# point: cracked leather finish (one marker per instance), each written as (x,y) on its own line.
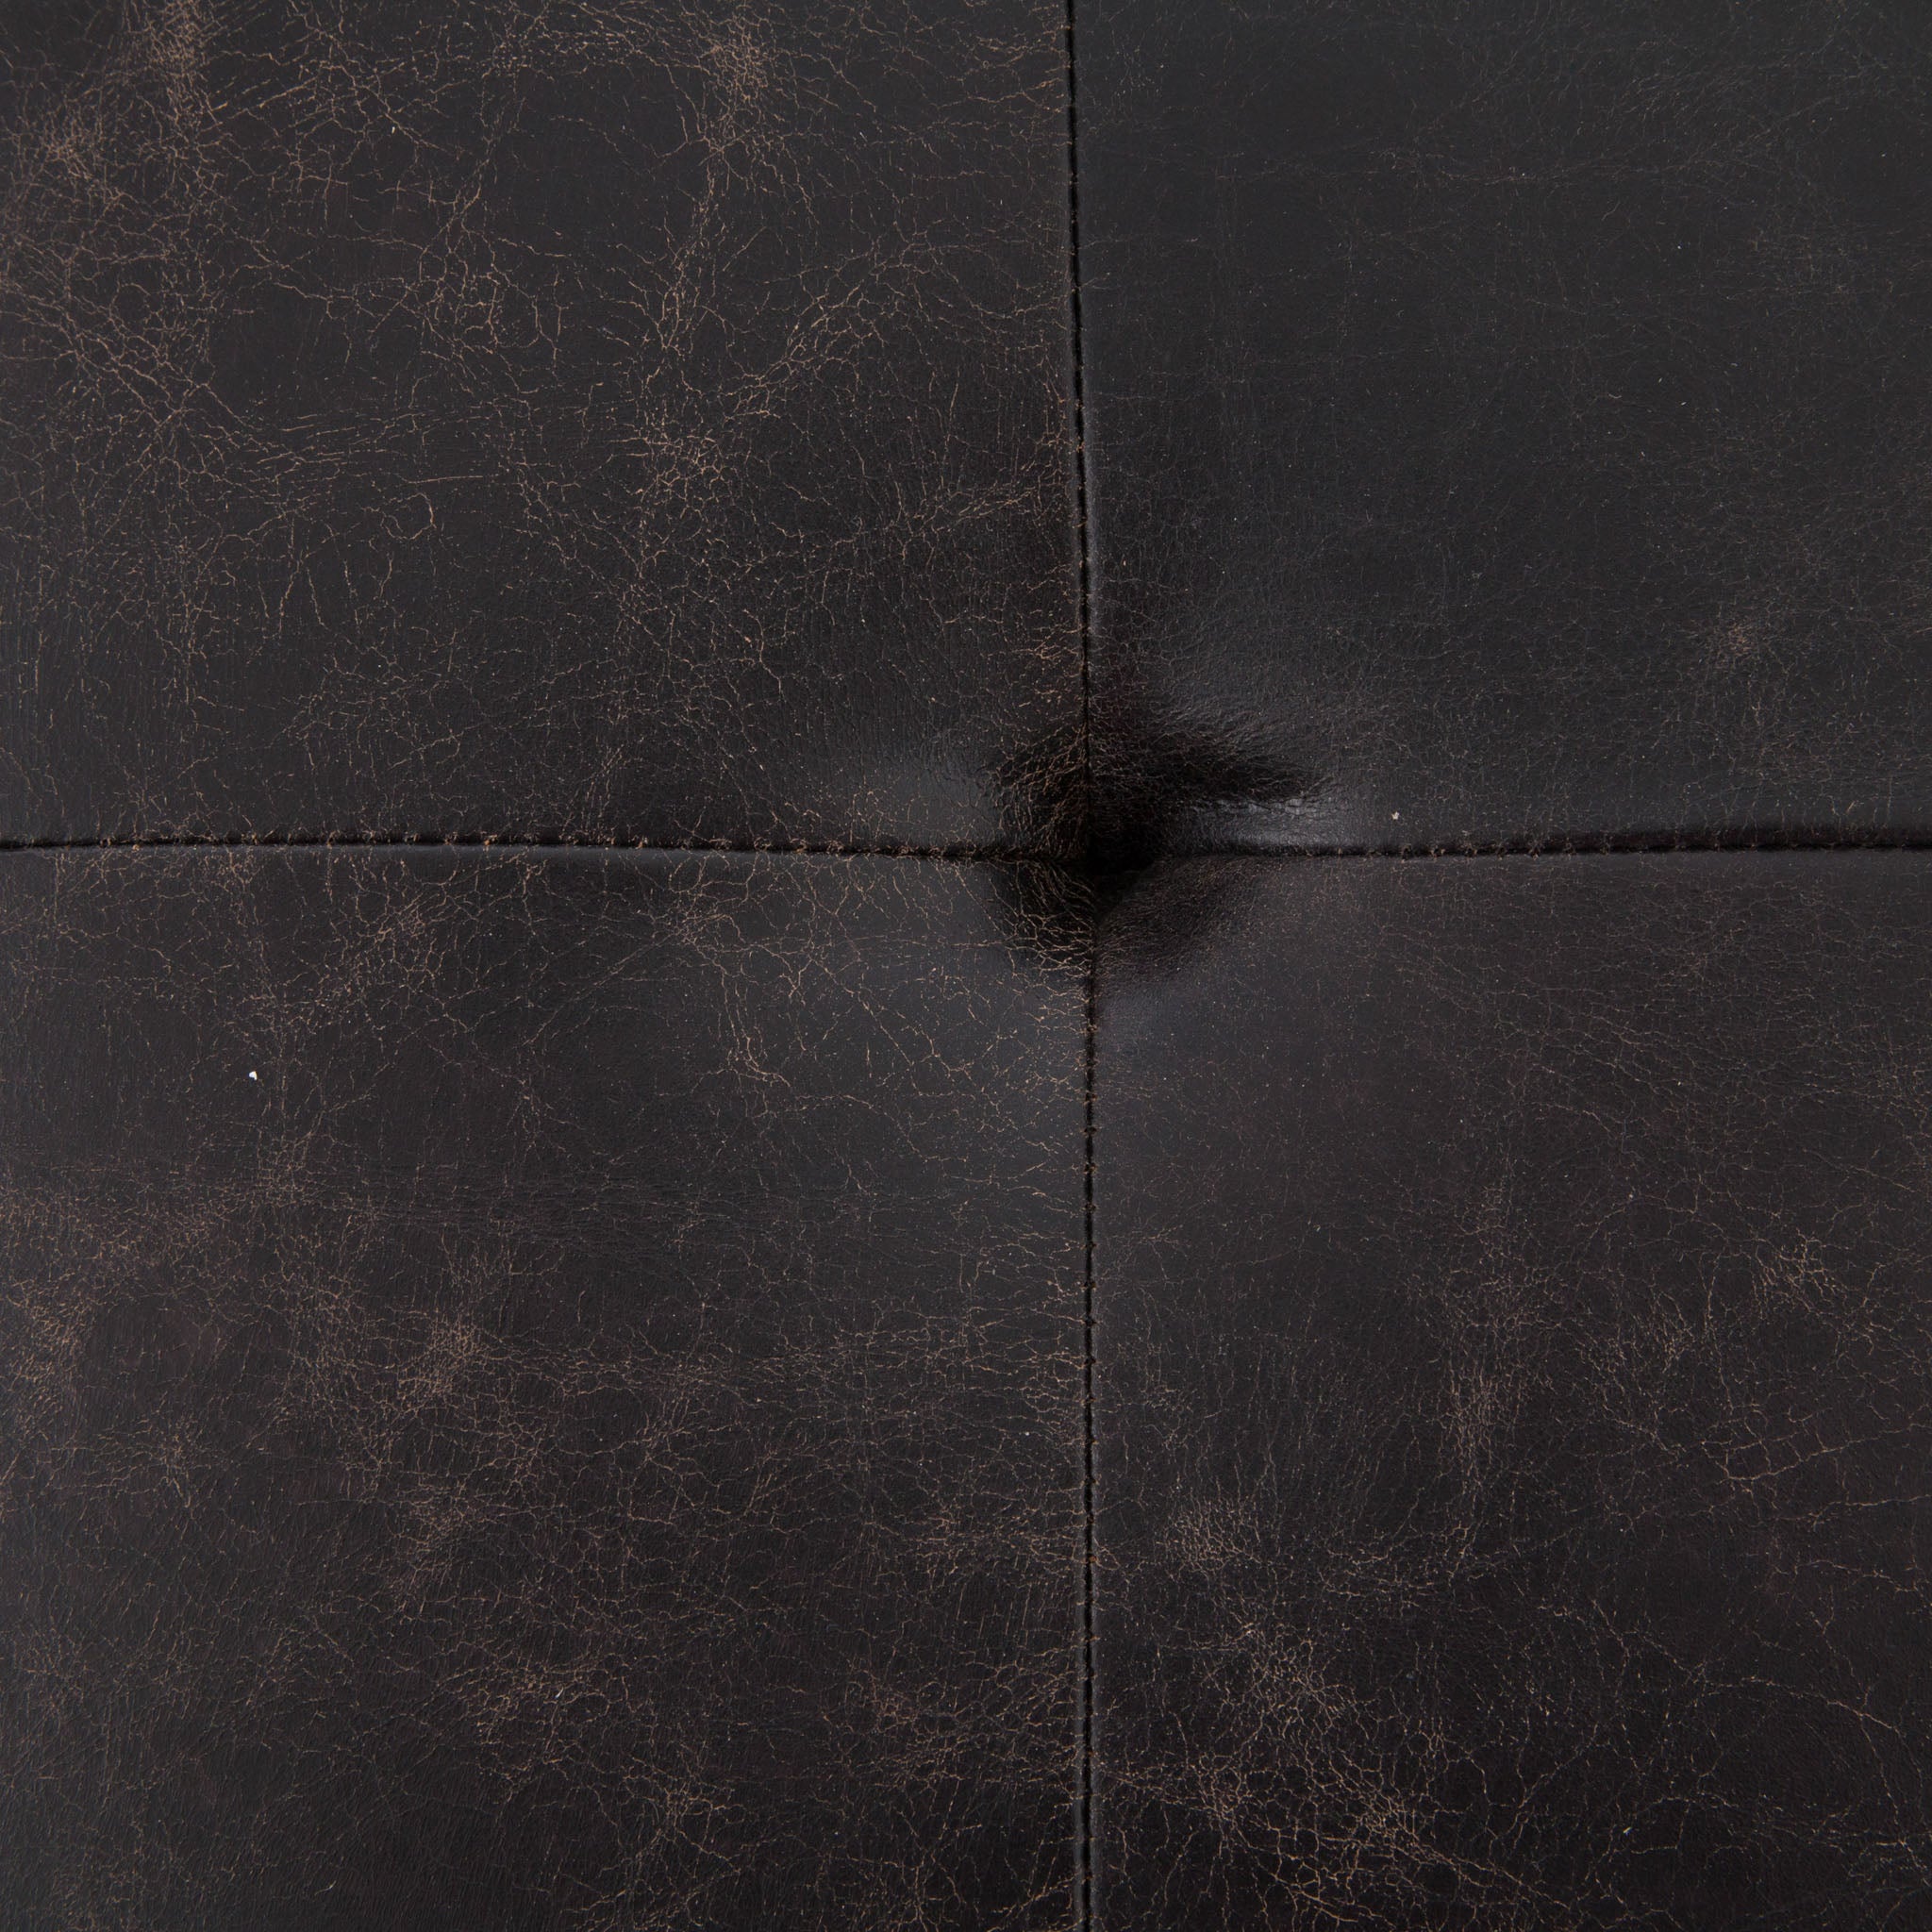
(1508,421)
(1010,1353)
(1513,1408)
(610,419)
(536,1393)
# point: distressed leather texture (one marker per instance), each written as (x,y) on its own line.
(1510,417)
(854,1070)
(538,1391)
(1514,1422)
(603,421)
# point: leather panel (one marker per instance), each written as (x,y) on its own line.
(610,421)
(1507,421)
(537,1391)
(1515,1394)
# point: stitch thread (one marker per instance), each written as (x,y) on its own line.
(1612,846)
(509,842)
(1083,1777)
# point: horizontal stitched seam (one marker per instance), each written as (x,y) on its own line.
(1607,846)
(1612,846)
(512,842)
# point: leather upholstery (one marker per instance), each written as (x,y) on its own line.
(1514,1401)
(1510,417)
(540,1390)
(740,1182)
(607,421)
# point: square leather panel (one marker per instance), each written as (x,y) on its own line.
(610,419)
(1510,419)
(537,1392)
(1514,1361)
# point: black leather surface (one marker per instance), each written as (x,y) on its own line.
(1513,1408)
(1509,419)
(952,1366)
(601,420)
(537,1392)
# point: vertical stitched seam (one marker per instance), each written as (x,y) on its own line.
(1088,1551)
(1084,1770)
